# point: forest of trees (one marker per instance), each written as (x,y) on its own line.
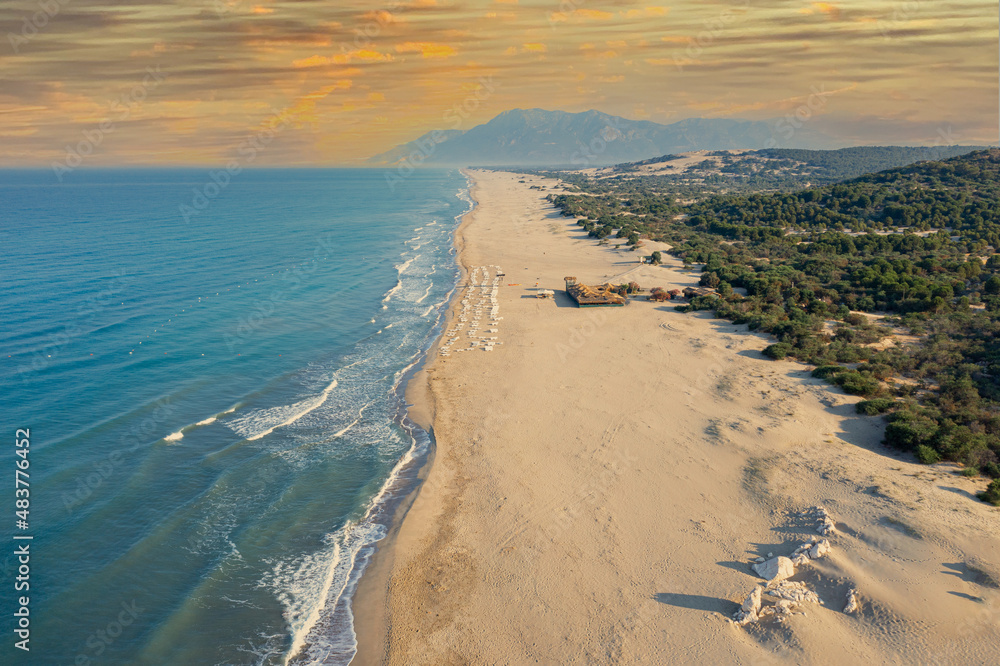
(832,271)
(773,170)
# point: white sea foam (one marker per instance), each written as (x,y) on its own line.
(263,422)
(426,293)
(401,268)
(389,294)
(315,589)
(312,590)
(215,417)
(175,436)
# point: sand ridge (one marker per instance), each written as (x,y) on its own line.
(604,480)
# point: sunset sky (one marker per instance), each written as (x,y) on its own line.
(189,81)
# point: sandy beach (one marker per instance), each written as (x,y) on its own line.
(604,479)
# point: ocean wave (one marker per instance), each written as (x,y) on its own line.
(401,268)
(179,435)
(389,294)
(212,419)
(263,422)
(316,590)
(426,293)
(318,582)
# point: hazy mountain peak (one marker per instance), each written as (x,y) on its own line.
(540,137)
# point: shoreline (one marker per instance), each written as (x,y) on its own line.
(370,607)
(622,529)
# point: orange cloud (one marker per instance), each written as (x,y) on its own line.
(828,8)
(593,14)
(362,55)
(303,109)
(535,47)
(262,10)
(581,14)
(381,17)
(660,62)
(427,49)
(646,12)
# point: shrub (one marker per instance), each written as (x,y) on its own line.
(856,319)
(992,285)
(927,455)
(970,471)
(990,469)
(778,351)
(875,406)
(907,430)
(659,294)
(992,494)
(880,371)
(656,258)
(824,371)
(855,383)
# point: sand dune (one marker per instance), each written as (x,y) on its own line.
(605,479)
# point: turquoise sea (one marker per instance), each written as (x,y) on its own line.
(214,402)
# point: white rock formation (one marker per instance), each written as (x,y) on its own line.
(750,609)
(780,610)
(825,525)
(852,601)
(793,591)
(819,550)
(775,569)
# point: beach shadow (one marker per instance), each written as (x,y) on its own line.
(963,595)
(563,300)
(697,602)
(959,491)
(742,567)
(962,571)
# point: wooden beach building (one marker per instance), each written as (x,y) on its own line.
(589,297)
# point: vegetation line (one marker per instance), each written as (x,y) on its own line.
(889,283)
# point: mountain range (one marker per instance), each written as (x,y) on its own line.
(537,137)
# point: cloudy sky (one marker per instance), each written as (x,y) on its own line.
(189,81)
